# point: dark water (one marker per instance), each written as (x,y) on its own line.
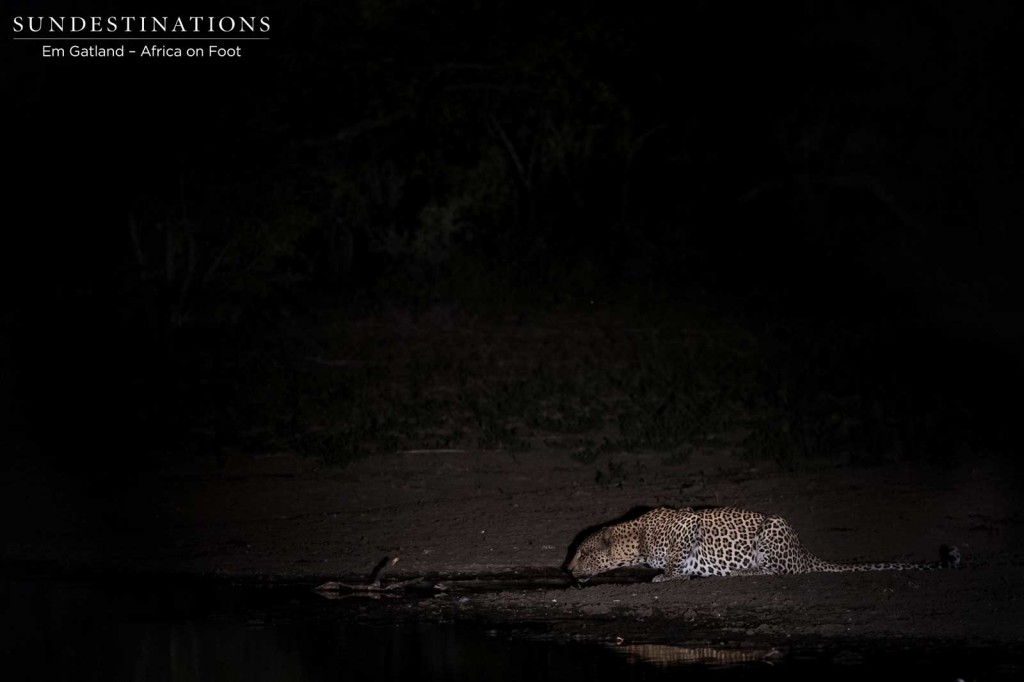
(198,631)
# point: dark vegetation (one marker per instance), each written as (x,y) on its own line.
(423,225)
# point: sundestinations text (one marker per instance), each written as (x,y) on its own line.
(132,24)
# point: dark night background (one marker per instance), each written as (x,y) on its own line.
(838,178)
(452,282)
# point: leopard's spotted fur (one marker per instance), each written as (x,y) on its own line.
(722,541)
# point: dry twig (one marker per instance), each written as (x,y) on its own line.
(375,585)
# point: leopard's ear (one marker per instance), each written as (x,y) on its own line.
(607,537)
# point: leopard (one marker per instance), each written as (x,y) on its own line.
(718,541)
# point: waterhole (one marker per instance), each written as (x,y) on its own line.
(175,629)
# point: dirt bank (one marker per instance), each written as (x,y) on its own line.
(469,513)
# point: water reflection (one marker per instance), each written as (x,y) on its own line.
(666,655)
(197,631)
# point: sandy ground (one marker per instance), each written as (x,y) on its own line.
(452,515)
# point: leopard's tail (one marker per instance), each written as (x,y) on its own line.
(949,557)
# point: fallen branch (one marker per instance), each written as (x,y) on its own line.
(375,585)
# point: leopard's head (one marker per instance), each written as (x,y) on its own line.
(604,550)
